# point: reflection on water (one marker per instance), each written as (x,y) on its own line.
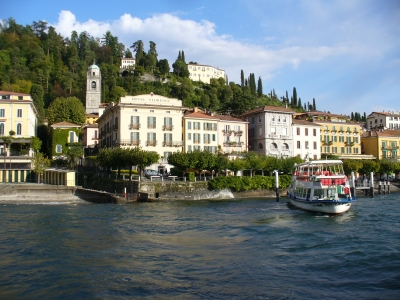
(199,250)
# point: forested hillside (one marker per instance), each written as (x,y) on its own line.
(35,59)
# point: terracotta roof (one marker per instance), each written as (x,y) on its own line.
(378,133)
(338,123)
(12,93)
(321,113)
(304,122)
(199,115)
(229,118)
(92,115)
(92,125)
(268,108)
(385,113)
(65,124)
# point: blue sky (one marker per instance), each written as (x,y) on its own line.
(343,53)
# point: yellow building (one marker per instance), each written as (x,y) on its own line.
(383,144)
(339,136)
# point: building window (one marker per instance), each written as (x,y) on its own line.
(298,130)
(151,122)
(59,148)
(1,128)
(189,125)
(2,113)
(19,129)
(306,145)
(306,130)
(213,137)
(71,136)
(93,85)
(189,136)
(315,145)
(19,113)
(314,132)
(298,144)
(20,98)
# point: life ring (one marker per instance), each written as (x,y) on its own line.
(346,190)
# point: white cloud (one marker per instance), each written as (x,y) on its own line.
(201,43)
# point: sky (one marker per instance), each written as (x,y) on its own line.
(343,53)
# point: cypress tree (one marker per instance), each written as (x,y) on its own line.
(299,103)
(294,97)
(242,78)
(259,88)
(179,56)
(287,97)
(183,57)
(313,104)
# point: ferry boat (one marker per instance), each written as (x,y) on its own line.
(321,186)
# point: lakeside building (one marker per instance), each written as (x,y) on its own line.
(200,131)
(90,138)
(339,136)
(270,130)
(382,144)
(232,134)
(63,135)
(204,73)
(306,139)
(385,120)
(17,113)
(152,122)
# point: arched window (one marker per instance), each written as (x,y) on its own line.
(273,146)
(260,146)
(348,129)
(19,129)
(341,128)
(333,128)
(93,84)
(326,127)
(285,146)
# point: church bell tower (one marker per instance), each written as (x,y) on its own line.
(93,89)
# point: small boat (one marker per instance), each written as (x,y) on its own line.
(321,186)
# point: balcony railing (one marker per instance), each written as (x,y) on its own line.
(349,144)
(167,143)
(390,147)
(239,133)
(127,142)
(285,137)
(233,144)
(273,135)
(152,143)
(178,143)
(328,143)
(226,132)
(168,127)
(134,126)
(151,126)
(210,129)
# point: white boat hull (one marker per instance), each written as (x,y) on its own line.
(334,207)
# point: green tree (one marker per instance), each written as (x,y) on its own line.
(259,88)
(74,153)
(368,167)
(163,67)
(40,164)
(68,109)
(181,161)
(386,167)
(37,94)
(352,165)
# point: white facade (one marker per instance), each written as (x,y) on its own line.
(384,120)
(151,122)
(270,130)
(93,89)
(127,63)
(232,134)
(201,132)
(306,139)
(204,73)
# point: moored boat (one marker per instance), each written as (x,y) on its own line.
(321,186)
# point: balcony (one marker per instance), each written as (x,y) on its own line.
(328,143)
(349,144)
(167,144)
(226,132)
(127,142)
(134,126)
(232,144)
(285,137)
(151,143)
(168,127)
(210,129)
(151,126)
(272,135)
(239,133)
(115,127)
(390,147)
(177,143)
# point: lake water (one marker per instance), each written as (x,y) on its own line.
(236,249)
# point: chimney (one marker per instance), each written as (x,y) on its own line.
(196,109)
